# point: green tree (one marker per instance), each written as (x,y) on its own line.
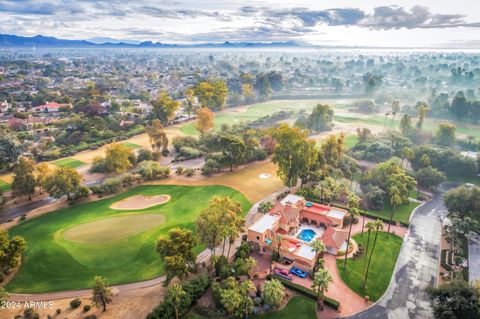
(176,294)
(157,136)
(321,118)
(212,94)
(10,250)
(395,199)
(24,178)
(319,248)
(3,295)
(231,300)
(406,124)
(246,288)
(353,213)
(273,292)
(63,181)
(320,283)
(407,153)
(233,150)
(42,171)
(165,108)
(445,134)
(101,294)
(422,110)
(454,300)
(10,149)
(176,250)
(429,177)
(370,226)
(293,154)
(117,158)
(189,104)
(378,227)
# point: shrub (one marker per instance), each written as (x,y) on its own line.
(58,311)
(98,165)
(86,308)
(265,207)
(189,172)
(210,167)
(151,170)
(110,185)
(75,303)
(180,170)
(144,155)
(80,193)
(90,317)
(186,153)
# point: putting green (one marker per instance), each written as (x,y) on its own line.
(113,228)
(68,247)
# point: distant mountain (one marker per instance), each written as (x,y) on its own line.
(101,40)
(7,40)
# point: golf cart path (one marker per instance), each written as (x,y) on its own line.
(204,256)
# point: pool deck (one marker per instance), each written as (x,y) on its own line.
(318,232)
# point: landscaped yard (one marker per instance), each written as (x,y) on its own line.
(67,248)
(68,162)
(402,213)
(4,186)
(298,307)
(382,265)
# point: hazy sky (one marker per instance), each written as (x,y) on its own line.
(405,23)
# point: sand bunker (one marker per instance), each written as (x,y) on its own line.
(140,202)
(113,228)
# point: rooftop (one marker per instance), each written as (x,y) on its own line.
(290,199)
(306,252)
(266,222)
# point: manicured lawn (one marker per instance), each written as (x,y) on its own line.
(131,145)
(402,213)
(298,307)
(382,265)
(69,162)
(472,180)
(4,186)
(53,263)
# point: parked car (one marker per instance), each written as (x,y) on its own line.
(298,272)
(283,273)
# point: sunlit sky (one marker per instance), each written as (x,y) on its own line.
(378,23)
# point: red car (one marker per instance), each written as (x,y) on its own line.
(283,273)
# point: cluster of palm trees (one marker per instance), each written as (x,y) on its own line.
(370,226)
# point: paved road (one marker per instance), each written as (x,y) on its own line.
(417,266)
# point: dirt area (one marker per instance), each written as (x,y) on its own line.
(99,231)
(140,202)
(135,303)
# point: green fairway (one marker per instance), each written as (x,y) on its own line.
(382,265)
(4,186)
(60,256)
(298,307)
(68,162)
(131,145)
(254,112)
(402,213)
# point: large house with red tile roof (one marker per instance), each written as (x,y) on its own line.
(51,107)
(292,224)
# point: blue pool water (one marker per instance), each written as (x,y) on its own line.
(306,235)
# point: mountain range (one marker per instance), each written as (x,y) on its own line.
(8,40)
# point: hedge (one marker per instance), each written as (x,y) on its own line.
(383,219)
(446,263)
(332,303)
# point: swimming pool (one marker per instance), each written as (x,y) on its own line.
(307,235)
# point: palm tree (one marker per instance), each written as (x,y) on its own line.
(407,153)
(273,292)
(378,226)
(246,288)
(320,283)
(395,199)
(176,294)
(353,203)
(370,227)
(318,247)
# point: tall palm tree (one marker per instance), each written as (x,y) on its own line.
(354,212)
(370,227)
(320,283)
(318,247)
(378,226)
(395,199)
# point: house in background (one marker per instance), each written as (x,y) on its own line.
(292,224)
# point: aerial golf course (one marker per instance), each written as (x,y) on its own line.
(67,248)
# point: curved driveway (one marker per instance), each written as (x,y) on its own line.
(417,266)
